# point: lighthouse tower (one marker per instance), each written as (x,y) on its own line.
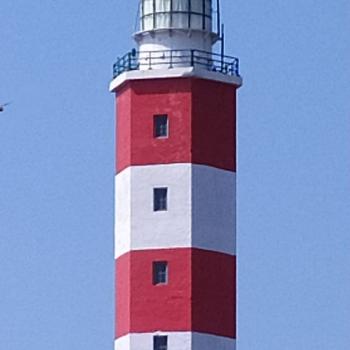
(175,226)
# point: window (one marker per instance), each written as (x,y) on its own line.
(160,342)
(160,199)
(161,126)
(160,272)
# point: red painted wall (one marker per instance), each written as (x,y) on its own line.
(199,297)
(123,127)
(214,124)
(148,98)
(151,307)
(123,292)
(214,293)
(202,119)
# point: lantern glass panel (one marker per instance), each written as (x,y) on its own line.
(197,6)
(180,20)
(196,22)
(163,5)
(147,7)
(181,5)
(148,22)
(162,20)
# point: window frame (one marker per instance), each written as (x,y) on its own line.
(160,203)
(156,342)
(160,273)
(156,127)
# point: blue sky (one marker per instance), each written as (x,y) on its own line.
(57,164)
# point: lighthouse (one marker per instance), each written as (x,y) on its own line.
(175,182)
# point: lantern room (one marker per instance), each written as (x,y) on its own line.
(176,14)
(177,25)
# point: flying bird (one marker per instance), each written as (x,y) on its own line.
(2,106)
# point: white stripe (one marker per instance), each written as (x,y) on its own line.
(176,341)
(184,72)
(201,208)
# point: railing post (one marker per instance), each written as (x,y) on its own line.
(150,59)
(129,60)
(192,58)
(236,67)
(171,59)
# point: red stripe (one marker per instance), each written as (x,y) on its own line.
(202,120)
(200,295)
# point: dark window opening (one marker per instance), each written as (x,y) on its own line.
(161,128)
(160,272)
(160,342)
(160,199)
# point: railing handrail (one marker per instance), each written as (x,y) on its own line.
(133,60)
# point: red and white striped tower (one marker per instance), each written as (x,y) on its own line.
(175,183)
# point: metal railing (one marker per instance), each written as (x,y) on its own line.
(145,60)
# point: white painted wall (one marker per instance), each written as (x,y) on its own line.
(176,341)
(211,342)
(124,343)
(122,221)
(201,208)
(147,229)
(182,72)
(213,209)
(176,40)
